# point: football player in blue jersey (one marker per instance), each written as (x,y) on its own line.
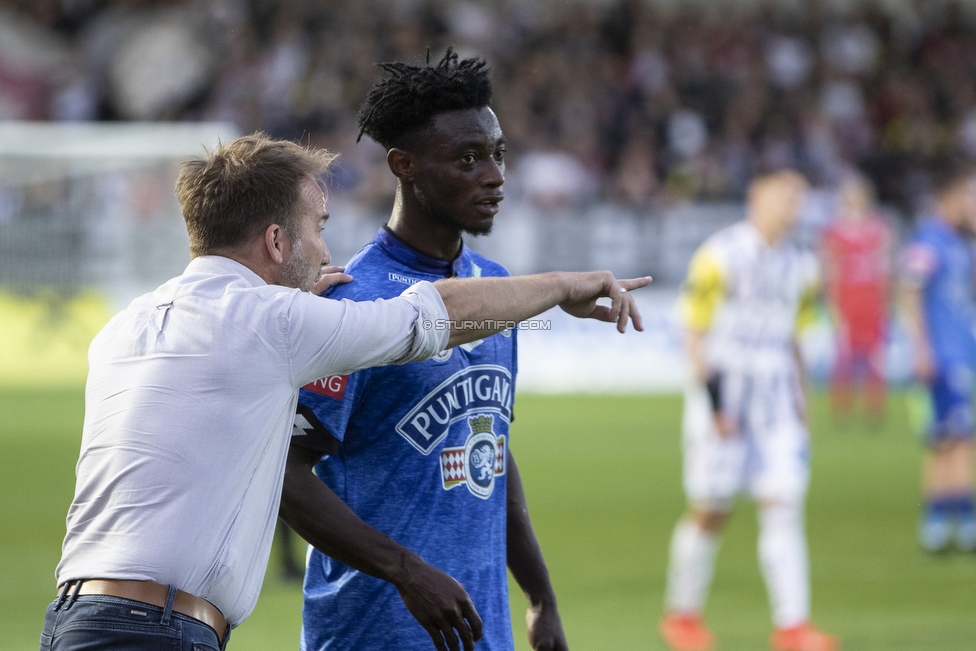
(416,484)
(937,298)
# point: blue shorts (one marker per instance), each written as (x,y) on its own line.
(952,404)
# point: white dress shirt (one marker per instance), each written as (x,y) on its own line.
(189,408)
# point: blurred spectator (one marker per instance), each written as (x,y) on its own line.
(30,58)
(710,92)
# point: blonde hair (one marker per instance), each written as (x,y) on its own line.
(243,187)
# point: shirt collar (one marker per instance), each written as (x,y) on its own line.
(218,265)
(754,233)
(405,254)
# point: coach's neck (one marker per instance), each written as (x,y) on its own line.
(265,254)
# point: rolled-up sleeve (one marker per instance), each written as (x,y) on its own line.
(431,327)
(327,337)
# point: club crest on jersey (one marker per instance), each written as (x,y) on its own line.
(443,356)
(477,463)
(476,389)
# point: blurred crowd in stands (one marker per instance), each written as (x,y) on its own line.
(633,102)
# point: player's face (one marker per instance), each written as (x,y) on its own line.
(307,252)
(778,200)
(855,199)
(967,201)
(461,169)
(783,199)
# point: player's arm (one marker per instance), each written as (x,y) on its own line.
(472,302)
(889,262)
(713,381)
(695,349)
(919,262)
(529,569)
(830,264)
(806,317)
(910,302)
(324,338)
(316,513)
(703,292)
(802,388)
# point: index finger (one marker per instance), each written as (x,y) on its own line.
(620,308)
(635,283)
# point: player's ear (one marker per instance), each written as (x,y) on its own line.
(274,241)
(402,163)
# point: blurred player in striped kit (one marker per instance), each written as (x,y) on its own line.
(748,291)
(856,251)
(937,299)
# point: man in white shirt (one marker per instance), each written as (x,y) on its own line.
(192,390)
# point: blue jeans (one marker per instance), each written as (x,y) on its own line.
(97,622)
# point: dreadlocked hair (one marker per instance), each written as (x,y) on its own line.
(411,96)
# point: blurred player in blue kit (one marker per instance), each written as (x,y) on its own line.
(748,292)
(421,452)
(937,299)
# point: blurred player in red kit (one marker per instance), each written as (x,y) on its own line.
(856,251)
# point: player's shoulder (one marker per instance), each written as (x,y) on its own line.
(726,243)
(710,262)
(482,266)
(931,228)
(922,255)
(375,275)
(930,235)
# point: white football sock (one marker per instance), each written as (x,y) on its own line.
(784,563)
(691,568)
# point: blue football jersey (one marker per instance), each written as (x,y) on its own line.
(419,453)
(940,261)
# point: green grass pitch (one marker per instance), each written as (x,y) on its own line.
(603,480)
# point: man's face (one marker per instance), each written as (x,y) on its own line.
(461,169)
(306,252)
(794,193)
(855,200)
(778,200)
(967,201)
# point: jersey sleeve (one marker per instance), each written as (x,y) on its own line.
(919,262)
(806,314)
(324,409)
(332,337)
(703,290)
(326,405)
